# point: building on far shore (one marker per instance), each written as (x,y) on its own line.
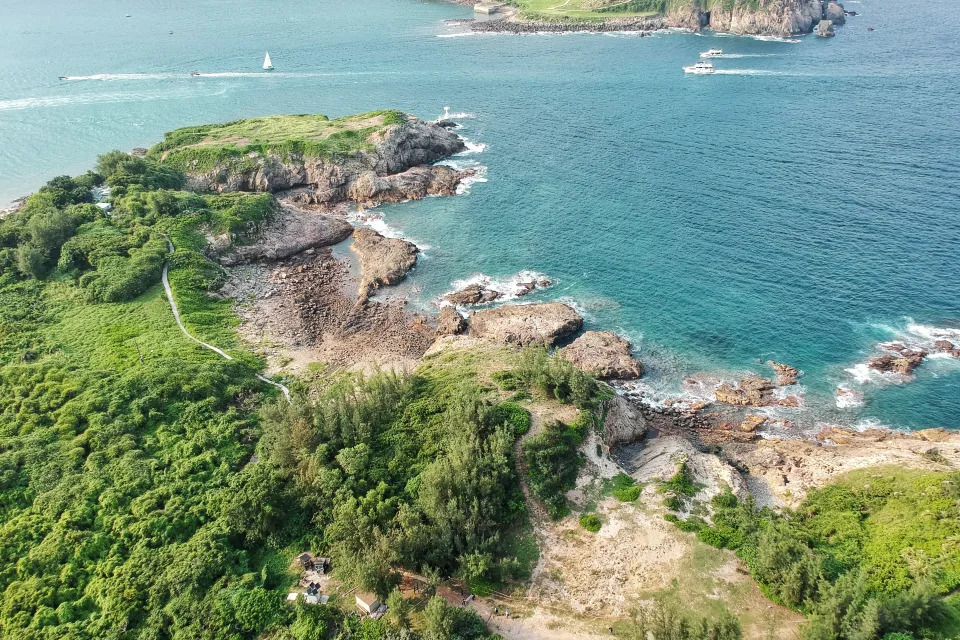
(487,7)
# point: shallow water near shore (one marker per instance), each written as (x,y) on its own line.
(803,205)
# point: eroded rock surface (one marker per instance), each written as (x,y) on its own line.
(290,232)
(624,422)
(902,360)
(786,375)
(752,391)
(472,294)
(526,323)
(604,354)
(450,322)
(383,261)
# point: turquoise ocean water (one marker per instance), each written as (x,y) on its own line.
(802,205)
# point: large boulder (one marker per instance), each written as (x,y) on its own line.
(834,12)
(752,391)
(383,261)
(472,294)
(450,322)
(623,424)
(525,324)
(604,354)
(825,29)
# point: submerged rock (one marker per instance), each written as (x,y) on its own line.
(752,391)
(604,354)
(526,323)
(383,261)
(945,346)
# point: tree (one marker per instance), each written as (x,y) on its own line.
(398,610)
(440,619)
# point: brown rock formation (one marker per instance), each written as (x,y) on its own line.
(624,422)
(786,375)
(383,261)
(752,423)
(604,354)
(752,391)
(450,322)
(903,360)
(526,323)
(472,294)
(290,232)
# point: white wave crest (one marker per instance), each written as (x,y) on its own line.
(375,220)
(472,147)
(848,397)
(509,287)
(458,115)
(466,183)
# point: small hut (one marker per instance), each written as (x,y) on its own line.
(367,603)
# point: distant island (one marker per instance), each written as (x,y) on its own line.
(781,18)
(215,425)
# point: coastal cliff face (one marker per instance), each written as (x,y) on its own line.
(379,157)
(769,17)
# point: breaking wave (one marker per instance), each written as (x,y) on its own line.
(509,287)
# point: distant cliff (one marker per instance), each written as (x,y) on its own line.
(754,17)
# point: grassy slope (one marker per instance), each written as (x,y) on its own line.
(592,10)
(205,146)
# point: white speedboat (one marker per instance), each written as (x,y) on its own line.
(699,68)
(267,65)
(712,53)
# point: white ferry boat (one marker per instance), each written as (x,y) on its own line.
(711,53)
(699,68)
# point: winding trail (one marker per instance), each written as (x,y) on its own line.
(176,316)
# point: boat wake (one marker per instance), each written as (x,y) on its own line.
(755,72)
(17,104)
(735,56)
(107,77)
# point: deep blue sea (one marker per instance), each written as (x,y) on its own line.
(802,205)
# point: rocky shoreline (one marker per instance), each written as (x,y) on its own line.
(301,303)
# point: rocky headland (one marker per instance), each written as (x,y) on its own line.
(781,18)
(382,156)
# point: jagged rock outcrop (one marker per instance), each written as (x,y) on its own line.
(825,29)
(604,354)
(786,375)
(450,322)
(624,423)
(472,294)
(526,323)
(290,232)
(396,166)
(752,391)
(383,261)
(903,360)
(945,346)
(752,423)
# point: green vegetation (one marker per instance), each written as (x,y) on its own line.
(230,145)
(872,554)
(591,522)
(131,503)
(574,11)
(624,488)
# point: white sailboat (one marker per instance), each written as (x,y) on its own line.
(267,65)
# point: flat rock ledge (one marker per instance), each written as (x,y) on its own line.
(525,324)
(292,231)
(752,391)
(603,354)
(383,261)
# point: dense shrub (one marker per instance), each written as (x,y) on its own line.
(591,522)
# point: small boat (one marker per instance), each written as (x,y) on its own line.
(711,53)
(267,65)
(63,77)
(700,68)
(195,73)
